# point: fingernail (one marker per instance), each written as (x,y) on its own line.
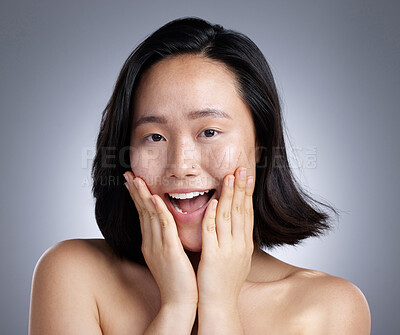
(214,205)
(242,173)
(125,176)
(153,201)
(231,180)
(250,181)
(136,184)
(126,185)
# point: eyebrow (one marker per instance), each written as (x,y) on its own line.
(204,113)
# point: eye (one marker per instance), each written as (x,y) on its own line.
(154,138)
(209,132)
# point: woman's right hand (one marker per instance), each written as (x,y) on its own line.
(162,248)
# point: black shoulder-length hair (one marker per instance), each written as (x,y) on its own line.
(283,212)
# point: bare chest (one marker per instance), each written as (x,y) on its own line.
(130,311)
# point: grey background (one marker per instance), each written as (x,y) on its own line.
(337,68)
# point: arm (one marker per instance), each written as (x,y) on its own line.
(227,237)
(62,299)
(173,320)
(219,320)
(167,261)
(339,308)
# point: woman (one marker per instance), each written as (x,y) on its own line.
(190,138)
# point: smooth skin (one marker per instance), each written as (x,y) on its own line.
(207,267)
(225,258)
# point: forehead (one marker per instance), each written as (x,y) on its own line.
(186,83)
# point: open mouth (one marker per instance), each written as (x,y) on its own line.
(186,203)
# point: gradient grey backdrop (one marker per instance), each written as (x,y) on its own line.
(337,68)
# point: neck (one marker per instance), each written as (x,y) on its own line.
(195,257)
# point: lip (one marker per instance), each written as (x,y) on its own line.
(187,190)
(195,216)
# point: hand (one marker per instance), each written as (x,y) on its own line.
(162,248)
(227,238)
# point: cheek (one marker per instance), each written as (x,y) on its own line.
(245,156)
(223,160)
(148,164)
(149,158)
(218,158)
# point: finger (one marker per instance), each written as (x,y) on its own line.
(224,211)
(169,232)
(130,179)
(140,207)
(150,213)
(249,210)
(238,216)
(208,227)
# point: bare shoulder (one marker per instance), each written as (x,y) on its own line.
(70,257)
(329,304)
(77,251)
(67,276)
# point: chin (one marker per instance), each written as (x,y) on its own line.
(191,241)
(196,248)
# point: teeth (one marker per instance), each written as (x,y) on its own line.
(177,207)
(180,211)
(189,195)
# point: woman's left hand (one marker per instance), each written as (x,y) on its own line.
(227,243)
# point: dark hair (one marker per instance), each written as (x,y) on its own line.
(283,212)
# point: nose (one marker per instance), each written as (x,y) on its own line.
(182,161)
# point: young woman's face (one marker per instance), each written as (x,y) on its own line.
(190,129)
